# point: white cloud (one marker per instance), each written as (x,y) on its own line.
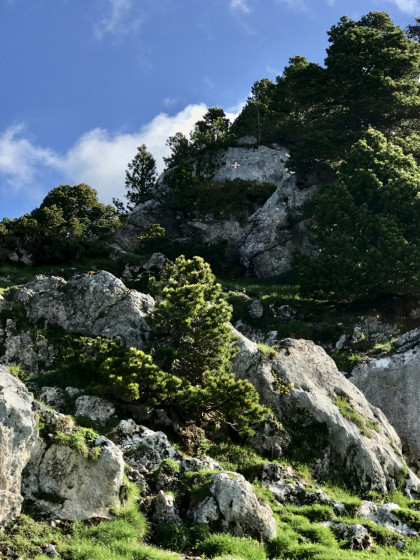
(98,158)
(407,6)
(118,19)
(240,6)
(20,160)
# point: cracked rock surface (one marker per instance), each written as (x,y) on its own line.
(98,304)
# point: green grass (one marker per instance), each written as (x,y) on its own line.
(222,545)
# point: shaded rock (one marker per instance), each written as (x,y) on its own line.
(17,439)
(256,309)
(382,515)
(284,312)
(303,386)
(99,410)
(233,504)
(393,384)
(52,396)
(65,484)
(97,304)
(265,242)
(161,509)
(143,448)
(373,329)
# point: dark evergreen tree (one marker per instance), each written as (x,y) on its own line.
(365,225)
(140,178)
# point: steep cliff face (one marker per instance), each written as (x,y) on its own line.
(265,241)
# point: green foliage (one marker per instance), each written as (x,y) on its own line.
(153,238)
(365,225)
(193,342)
(172,536)
(198,196)
(69,224)
(235,547)
(140,178)
(210,133)
(370,78)
(82,440)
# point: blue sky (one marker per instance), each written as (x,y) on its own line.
(84,82)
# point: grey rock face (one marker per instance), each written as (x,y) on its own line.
(99,410)
(302,385)
(146,448)
(233,503)
(17,438)
(264,245)
(382,515)
(97,304)
(393,384)
(67,485)
(53,396)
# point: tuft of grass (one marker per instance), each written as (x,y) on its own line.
(222,545)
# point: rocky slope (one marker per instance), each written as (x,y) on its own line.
(265,243)
(63,472)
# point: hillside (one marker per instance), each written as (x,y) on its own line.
(227,366)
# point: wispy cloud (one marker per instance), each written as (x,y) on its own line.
(98,158)
(240,6)
(118,19)
(295,4)
(407,6)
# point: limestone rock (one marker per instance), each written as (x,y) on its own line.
(99,410)
(392,383)
(256,309)
(97,304)
(52,396)
(162,509)
(233,504)
(65,484)
(17,438)
(144,448)
(265,243)
(382,515)
(303,387)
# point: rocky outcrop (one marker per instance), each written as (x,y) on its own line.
(65,484)
(265,243)
(98,410)
(66,481)
(330,420)
(18,435)
(98,304)
(393,384)
(385,515)
(233,504)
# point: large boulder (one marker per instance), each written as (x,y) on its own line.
(96,303)
(393,384)
(18,435)
(234,506)
(264,244)
(63,480)
(329,418)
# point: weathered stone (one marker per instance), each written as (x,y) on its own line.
(382,515)
(17,438)
(97,304)
(302,386)
(52,396)
(393,384)
(265,243)
(144,448)
(233,504)
(256,309)
(162,509)
(99,410)
(65,484)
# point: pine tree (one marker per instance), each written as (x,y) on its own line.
(365,225)
(140,178)
(192,341)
